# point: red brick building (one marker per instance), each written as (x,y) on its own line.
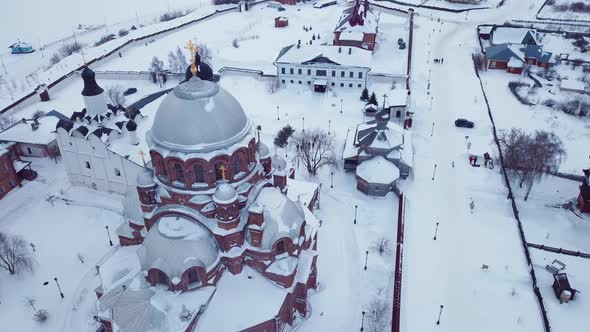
(281,22)
(12,170)
(222,227)
(358,27)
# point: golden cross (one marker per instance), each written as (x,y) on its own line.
(223,169)
(193,49)
(142,155)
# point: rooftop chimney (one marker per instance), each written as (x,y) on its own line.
(131,127)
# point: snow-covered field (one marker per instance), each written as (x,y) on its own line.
(551,11)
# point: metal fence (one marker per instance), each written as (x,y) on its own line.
(399,257)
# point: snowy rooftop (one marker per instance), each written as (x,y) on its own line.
(379,137)
(4,147)
(241,301)
(378,170)
(308,53)
(22,132)
(502,35)
(398,97)
(515,63)
(301,190)
(572,85)
(119,268)
(282,216)
(370,21)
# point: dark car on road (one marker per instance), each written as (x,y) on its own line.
(129,91)
(464,123)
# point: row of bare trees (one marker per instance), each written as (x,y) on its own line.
(530,157)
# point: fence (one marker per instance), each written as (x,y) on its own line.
(515,211)
(449,10)
(399,255)
(559,250)
(556,20)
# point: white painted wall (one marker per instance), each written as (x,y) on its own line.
(95,104)
(306,74)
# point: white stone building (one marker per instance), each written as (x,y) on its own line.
(323,66)
(103,147)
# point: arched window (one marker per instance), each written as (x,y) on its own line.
(179,172)
(280,247)
(236,164)
(219,170)
(162,278)
(199,178)
(193,276)
(163,168)
(117,172)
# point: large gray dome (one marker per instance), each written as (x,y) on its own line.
(198,116)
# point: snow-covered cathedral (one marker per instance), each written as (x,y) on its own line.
(219,236)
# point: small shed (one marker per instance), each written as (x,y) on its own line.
(561,286)
(21,48)
(281,22)
(572,86)
(370,109)
(485,32)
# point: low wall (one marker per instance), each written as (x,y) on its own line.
(399,255)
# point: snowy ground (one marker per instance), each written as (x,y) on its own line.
(549,11)
(260,42)
(453,5)
(59,233)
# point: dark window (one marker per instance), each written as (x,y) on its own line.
(299,71)
(309,72)
(351,75)
(11,184)
(5,168)
(162,278)
(193,276)
(360,74)
(283,70)
(179,172)
(341,85)
(360,85)
(88,165)
(308,82)
(299,82)
(333,83)
(291,81)
(164,170)
(320,72)
(333,73)
(219,170)
(236,165)
(29,149)
(2,191)
(280,247)
(199,173)
(283,81)
(341,74)
(117,172)
(291,71)
(350,85)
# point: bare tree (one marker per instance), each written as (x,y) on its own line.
(156,65)
(31,301)
(115,94)
(381,246)
(41,315)
(205,53)
(15,256)
(273,85)
(173,62)
(315,148)
(69,49)
(514,144)
(377,315)
(6,122)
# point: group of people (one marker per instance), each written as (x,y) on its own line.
(441,60)
(488,161)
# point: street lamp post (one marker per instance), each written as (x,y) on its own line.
(432,130)
(303,122)
(435,232)
(60,292)
(363,322)
(109,235)
(331,179)
(278,116)
(366,258)
(341,101)
(329,126)
(439,313)
(434,172)
(355,208)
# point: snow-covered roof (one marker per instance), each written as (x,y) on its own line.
(301,190)
(122,266)
(378,170)
(515,63)
(284,266)
(352,35)
(225,194)
(282,216)
(486,29)
(22,132)
(312,53)
(375,136)
(132,207)
(19,165)
(241,301)
(175,244)
(397,97)
(5,147)
(573,85)
(353,19)
(198,116)
(510,35)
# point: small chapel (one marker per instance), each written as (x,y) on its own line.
(218,235)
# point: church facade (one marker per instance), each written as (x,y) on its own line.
(218,232)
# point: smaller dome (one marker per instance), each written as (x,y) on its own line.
(205,72)
(225,194)
(263,150)
(131,125)
(145,178)
(91,88)
(278,162)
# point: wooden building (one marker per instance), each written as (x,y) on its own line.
(281,22)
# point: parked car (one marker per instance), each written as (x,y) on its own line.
(402,46)
(129,91)
(464,123)
(400,41)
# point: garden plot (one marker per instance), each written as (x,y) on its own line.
(249,40)
(566,10)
